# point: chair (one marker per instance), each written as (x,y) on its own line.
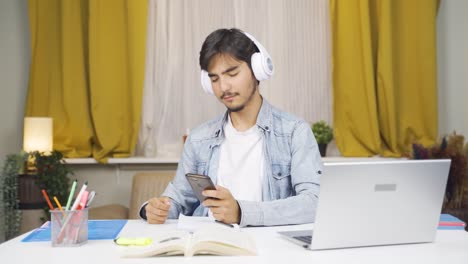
(145,185)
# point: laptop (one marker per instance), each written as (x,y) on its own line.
(376,203)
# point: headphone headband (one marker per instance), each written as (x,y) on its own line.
(261,62)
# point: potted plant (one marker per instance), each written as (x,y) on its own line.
(9,202)
(323,134)
(51,174)
(20,188)
(456,192)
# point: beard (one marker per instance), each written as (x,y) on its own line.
(241,107)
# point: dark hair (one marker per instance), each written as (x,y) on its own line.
(227,41)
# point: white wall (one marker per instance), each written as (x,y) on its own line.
(14,70)
(452,62)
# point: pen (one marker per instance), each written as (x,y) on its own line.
(75,205)
(78,215)
(84,198)
(46,197)
(219,222)
(70,197)
(78,197)
(91,196)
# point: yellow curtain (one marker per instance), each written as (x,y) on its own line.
(384,75)
(87,72)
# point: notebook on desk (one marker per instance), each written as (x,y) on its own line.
(376,203)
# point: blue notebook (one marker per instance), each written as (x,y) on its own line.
(97,230)
(450,222)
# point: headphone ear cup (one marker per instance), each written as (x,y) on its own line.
(257,67)
(256,63)
(206,82)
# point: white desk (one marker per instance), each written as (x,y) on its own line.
(450,247)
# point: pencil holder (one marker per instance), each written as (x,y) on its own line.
(69,228)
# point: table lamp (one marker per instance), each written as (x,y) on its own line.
(38,136)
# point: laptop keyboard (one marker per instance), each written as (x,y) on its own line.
(305,239)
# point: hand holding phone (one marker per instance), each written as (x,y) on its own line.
(223,205)
(199,183)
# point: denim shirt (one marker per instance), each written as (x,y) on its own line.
(291,182)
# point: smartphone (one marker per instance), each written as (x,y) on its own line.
(200,183)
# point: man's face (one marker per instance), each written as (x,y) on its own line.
(232,81)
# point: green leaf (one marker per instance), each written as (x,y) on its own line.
(323,133)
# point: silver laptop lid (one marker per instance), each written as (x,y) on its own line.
(379,203)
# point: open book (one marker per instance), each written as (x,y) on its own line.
(211,240)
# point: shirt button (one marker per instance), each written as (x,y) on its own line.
(279,174)
(267,128)
(319,172)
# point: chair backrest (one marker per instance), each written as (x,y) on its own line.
(145,186)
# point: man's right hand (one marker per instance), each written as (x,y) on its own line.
(157,210)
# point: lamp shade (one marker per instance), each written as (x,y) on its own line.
(38,134)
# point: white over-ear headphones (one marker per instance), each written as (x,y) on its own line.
(262,66)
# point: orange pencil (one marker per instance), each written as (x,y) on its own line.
(58,203)
(47,199)
(59,206)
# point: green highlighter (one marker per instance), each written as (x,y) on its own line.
(127,241)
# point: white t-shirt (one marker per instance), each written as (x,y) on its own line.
(241,163)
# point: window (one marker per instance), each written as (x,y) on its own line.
(295,33)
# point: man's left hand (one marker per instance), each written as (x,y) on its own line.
(223,205)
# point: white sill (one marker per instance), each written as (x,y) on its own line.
(130,160)
(175,160)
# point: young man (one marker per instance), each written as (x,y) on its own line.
(265,162)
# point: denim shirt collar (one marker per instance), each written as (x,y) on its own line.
(263,121)
(264,116)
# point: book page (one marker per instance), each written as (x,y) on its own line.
(222,241)
(171,243)
(214,240)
